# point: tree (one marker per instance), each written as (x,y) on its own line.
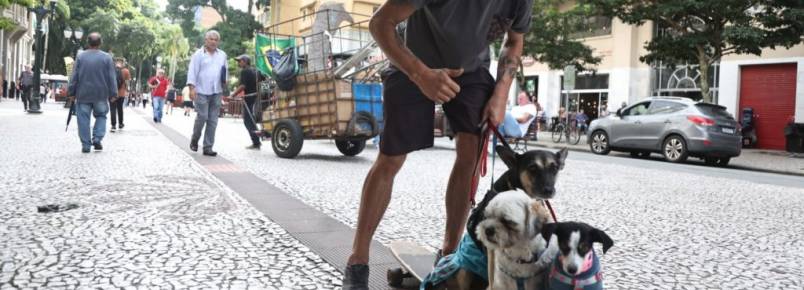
(105,22)
(551,37)
(703,31)
(58,46)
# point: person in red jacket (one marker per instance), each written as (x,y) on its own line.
(159,85)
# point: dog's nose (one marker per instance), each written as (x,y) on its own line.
(489,232)
(571,269)
(549,190)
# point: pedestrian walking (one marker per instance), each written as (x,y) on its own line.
(12,91)
(171,98)
(206,77)
(145,97)
(122,75)
(159,85)
(188,103)
(43,93)
(25,83)
(248,85)
(443,60)
(5,88)
(92,85)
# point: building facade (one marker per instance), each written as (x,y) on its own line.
(16,43)
(771,84)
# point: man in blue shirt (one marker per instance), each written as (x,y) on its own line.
(206,78)
(92,85)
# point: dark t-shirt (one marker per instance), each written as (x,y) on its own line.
(465,28)
(248,78)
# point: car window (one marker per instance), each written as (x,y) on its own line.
(638,109)
(665,107)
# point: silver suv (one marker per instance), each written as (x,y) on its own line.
(675,127)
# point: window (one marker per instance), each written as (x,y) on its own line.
(638,109)
(665,107)
(589,82)
(593,26)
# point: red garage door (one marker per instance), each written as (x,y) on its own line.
(771,91)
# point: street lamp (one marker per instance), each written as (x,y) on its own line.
(41,11)
(74,36)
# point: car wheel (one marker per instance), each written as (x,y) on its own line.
(600,143)
(722,162)
(674,149)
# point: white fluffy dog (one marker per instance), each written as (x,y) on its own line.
(511,232)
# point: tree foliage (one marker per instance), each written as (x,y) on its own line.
(5,22)
(550,39)
(703,31)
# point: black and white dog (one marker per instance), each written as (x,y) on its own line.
(576,266)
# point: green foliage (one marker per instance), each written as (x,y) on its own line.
(550,38)
(703,31)
(6,23)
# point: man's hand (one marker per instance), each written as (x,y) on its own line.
(192,93)
(71,98)
(495,110)
(438,84)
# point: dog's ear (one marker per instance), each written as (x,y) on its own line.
(507,155)
(547,230)
(561,157)
(600,236)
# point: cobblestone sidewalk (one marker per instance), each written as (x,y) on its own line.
(148,216)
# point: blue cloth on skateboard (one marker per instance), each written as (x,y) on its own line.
(468,256)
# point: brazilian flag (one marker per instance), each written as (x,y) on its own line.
(269,50)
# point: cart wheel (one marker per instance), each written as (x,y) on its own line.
(287,138)
(350,147)
(395,277)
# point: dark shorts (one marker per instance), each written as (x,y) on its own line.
(409,115)
(188,104)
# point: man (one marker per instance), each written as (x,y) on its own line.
(444,60)
(92,85)
(122,75)
(248,85)
(171,98)
(518,120)
(159,85)
(187,103)
(25,83)
(206,77)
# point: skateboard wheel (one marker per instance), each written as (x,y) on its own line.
(395,277)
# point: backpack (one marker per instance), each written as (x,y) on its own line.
(119,74)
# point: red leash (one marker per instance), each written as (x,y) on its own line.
(486,130)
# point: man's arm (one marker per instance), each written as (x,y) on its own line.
(506,72)
(111,80)
(192,73)
(436,84)
(72,89)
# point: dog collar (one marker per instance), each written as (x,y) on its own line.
(591,276)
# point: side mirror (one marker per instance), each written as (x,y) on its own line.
(619,112)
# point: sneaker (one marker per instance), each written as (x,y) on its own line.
(355,277)
(210,153)
(155,120)
(85,150)
(98,146)
(112,130)
(121,126)
(194,146)
(254,147)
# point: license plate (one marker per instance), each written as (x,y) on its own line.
(728,130)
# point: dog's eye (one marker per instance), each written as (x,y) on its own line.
(509,223)
(533,168)
(582,248)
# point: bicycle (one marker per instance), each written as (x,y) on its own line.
(571,132)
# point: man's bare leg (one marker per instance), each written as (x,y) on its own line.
(373,203)
(460,183)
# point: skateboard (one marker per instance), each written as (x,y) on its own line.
(416,262)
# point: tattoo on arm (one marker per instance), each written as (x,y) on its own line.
(507,67)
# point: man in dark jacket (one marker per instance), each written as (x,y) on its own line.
(248,85)
(92,85)
(25,82)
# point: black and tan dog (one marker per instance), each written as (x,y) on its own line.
(535,172)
